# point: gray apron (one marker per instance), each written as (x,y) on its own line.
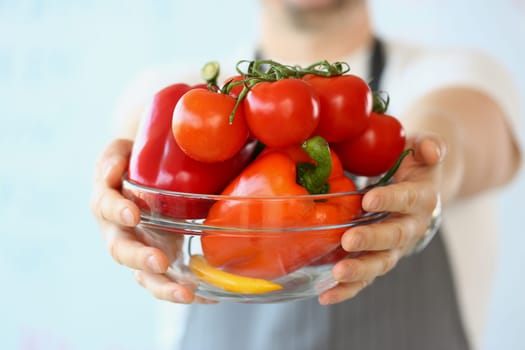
(413,307)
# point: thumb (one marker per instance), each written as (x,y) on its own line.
(429,148)
(113,162)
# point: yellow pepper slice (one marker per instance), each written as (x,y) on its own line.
(229,281)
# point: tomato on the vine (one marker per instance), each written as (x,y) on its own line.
(376,150)
(201,126)
(345,105)
(283,112)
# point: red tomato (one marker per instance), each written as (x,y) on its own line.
(345,105)
(376,150)
(202,129)
(282,113)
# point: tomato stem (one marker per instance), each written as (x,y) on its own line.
(381,102)
(257,71)
(325,69)
(390,173)
(314,177)
(269,70)
(227,88)
(246,88)
(210,72)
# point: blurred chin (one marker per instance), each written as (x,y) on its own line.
(312,14)
(312,4)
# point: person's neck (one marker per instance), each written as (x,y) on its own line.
(335,37)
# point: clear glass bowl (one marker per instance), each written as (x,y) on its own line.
(249,249)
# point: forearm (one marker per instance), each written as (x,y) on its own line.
(481,150)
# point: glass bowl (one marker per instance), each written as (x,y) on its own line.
(250,249)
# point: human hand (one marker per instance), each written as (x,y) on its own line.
(410,200)
(117,218)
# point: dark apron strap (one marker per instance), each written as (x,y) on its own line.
(377,64)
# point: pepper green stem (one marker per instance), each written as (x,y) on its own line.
(314,177)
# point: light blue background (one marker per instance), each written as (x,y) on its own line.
(62,64)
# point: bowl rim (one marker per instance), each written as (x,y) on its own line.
(128,184)
(197,227)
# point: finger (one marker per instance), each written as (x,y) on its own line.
(395,232)
(109,204)
(114,162)
(403,197)
(202,300)
(366,267)
(164,288)
(342,292)
(127,250)
(430,148)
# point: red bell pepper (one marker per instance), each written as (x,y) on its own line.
(158,162)
(280,174)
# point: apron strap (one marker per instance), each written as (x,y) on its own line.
(377,64)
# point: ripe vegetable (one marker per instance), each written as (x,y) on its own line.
(202,127)
(158,162)
(345,105)
(273,174)
(375,150)
(282,113)
(227,281)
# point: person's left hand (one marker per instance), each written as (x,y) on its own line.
(410,200)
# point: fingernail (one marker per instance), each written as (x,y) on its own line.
(344,274)
(354,243)
(325,300)
(138,275)
(338,274)
(438,151)
(372,204)
(153,264)
(179,297)
(108,167)
(441,151)
(127,217)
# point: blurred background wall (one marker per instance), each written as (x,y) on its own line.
(62,65)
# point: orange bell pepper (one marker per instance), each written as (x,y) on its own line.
(293,227)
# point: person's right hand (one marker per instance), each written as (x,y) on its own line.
(117,217)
